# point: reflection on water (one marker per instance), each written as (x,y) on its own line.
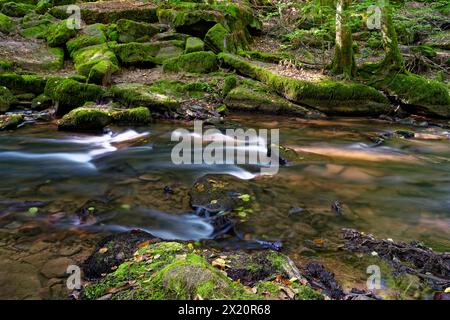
(399,190)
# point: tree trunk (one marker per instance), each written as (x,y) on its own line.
(393,59)
(343,61)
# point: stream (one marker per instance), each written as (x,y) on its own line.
(399,189)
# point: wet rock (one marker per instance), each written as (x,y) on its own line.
(56,268)
(119,247)
(10,122)
(85,119)
(321,278)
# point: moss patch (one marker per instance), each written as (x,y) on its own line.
(133,116)
(85,119)
(10,122)
(194,44)
(330,97)
(196,62)
(6,99)
(59,33)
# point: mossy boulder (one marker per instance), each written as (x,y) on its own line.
(23,83)
(36,26)
(90,35)
(41,102)
(59,33)
(16,9)
(31,56)
(110,11)
(219,39)
(140,95)
(10,121)
(249,99)
(174,270)
(6,99)
(194,44)
(421,95)
(85,119)
(134,31)
(229,83)
(327,96)
(97,63)
(6,24)
(136,54)
(68,94)
(195,62)
(132,116)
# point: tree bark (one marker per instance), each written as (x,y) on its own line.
(343,61)
(393,59)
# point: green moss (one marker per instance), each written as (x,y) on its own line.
(195,62)
(327,96)
(41,102)
(132,31)
(169,271)
(85,119)
(43,6)
(178,89)
(425,96)
(264,56)
(6,24)
(229,84)
(23,83)
(14,9)
(6,99)
(91,35)
(219,39)
(137,54)
(69,94)
(133,116)
(140,95)
(194,44)
(96,62)
(305,292)
(59,33)
(11,121)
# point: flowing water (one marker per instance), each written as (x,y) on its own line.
(399,190)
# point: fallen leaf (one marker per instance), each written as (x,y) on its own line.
(103,250)
(143,244)
(219,263)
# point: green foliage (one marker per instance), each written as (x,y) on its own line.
(6,99)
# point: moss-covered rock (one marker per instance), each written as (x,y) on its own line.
(85,119)
(16,9)
(97,63)
(110,11)
(136,54)
(229,83)
(133,31)
(6,99)
(173,270)
(31,56)
(41,102)
(439,40)
(140,95)
(133,116)
(68,94)
(330,97)
(195,62)
(90,35)
(23,83)
(424,96)
(219,39)
(10,121)
(36,26)
(6,24)
(250,99)
(194,44)
(59,33)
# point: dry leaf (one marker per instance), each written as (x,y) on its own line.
(219,263)
(143,244)
(103,250)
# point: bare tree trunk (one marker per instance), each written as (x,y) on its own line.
(393,59)
(343,61)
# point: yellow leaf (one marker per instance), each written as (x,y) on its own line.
(219,263)
(103,250)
